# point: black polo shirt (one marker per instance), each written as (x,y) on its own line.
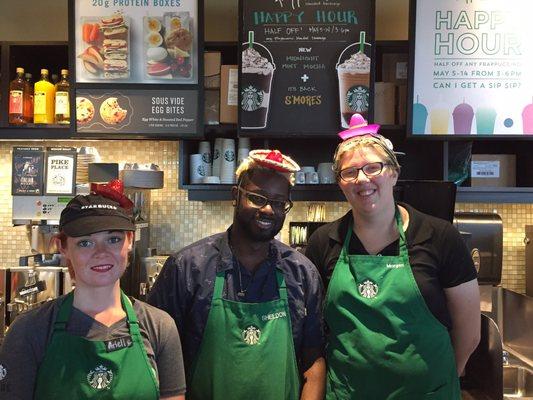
(438,255)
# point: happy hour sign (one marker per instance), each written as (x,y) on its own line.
(472,68)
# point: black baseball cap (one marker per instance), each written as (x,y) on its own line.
(92,213)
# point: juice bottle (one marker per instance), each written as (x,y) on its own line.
(62,106)
(17,94)
(43,100)
(28,102)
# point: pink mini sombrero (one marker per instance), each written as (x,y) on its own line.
(273,159)
(359,127)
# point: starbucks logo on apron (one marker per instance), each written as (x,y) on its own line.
(368,289)
(251,335)
(100,378)
(3,372)
(358,97)
(252,98)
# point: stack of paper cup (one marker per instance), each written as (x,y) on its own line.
(197,168)
(217,157)
(325,173)
(227,168)
(205,150)
(244,150)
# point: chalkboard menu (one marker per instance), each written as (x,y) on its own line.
(305,65)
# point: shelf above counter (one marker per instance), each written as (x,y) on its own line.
(494,195)
(203,192)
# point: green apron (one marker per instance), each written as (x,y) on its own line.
(383,341)
(247,350)
(78,368)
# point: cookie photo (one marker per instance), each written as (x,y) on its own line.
(111,112)
(84,110)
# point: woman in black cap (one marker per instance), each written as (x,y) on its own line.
(94,342)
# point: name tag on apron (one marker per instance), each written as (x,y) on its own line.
(118,343)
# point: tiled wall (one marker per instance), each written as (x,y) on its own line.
(177,222)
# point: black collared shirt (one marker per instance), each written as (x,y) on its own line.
(438,255)
(184,289)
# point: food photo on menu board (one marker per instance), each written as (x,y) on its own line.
(107,111)
(136,42)
(472,68)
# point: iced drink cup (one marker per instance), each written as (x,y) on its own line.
(439,121)
(420,115)
(527,119)
(485,118)
(257,73)
(354,87)
(462,118)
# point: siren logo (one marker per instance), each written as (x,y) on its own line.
(252,98)
(201,170)
(229,155)
(100,378)
(3,372)
(251,335)
(358,98)
(206,157)
(368,289)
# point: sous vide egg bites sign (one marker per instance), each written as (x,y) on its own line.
(168,43)
(106,53)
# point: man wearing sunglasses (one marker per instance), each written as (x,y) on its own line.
(248,307)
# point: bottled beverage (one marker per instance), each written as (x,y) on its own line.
(17,94)
(28,102)
(62,105)
(43,100)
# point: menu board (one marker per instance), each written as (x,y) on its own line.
(472,68)
(60,168)
(305,66)
(140,41)
(129,111)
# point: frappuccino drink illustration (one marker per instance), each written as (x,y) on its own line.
(354,82)
(527,119)
(485,119)
(420,115)
(462,114)
(257,73)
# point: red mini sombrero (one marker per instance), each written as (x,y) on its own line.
(273,159)
(359,127)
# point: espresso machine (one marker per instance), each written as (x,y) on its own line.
(37,276)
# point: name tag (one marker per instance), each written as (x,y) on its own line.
(118,344)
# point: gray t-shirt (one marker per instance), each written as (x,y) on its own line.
(25,345)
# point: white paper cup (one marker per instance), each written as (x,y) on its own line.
(325,173)
(217,157)
(308,169)
(300,178)
(311,178)
(204,148)
(196,168)
(244,143)
(241,155)
(229,161)
(211,179)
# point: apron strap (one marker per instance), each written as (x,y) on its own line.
(64,312)
(282,287)
(133,323)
